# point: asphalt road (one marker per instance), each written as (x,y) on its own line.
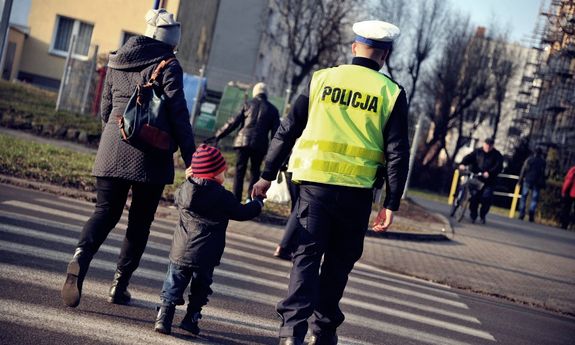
(38,233)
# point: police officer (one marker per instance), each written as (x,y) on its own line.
(352,130)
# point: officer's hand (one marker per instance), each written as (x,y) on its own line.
(461,167)
(260,188)
(383,220)
(189,172)
(486,174)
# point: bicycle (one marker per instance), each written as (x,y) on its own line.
(469,185)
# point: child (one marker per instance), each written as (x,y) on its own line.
(205,208)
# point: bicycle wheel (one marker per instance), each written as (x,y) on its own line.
(456,201)
(454,208)
(460,212)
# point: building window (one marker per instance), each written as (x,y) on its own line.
(126,36)
(66,28)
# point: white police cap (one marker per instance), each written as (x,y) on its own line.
(375,33)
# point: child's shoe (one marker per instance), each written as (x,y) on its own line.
(165,318)
(190,322)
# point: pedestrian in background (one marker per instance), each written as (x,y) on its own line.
(120,167)
(488,162)
(205,208)
(349,123)
(257,122)
(567,198)
(532,179)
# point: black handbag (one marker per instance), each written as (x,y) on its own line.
(144,123)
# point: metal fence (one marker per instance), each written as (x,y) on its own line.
(515,196)
(79,82)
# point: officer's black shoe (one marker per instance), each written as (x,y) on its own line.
(473,219)
(119,293)
(482,220)
(531,217)
(290,341)
(317,339)
(190,322)
(165,318)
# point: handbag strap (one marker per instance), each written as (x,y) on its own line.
(158,71)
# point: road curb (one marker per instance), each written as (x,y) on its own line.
(446,232)
(47,187)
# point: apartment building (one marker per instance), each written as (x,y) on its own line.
(53,23)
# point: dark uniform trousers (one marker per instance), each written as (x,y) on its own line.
(333,221)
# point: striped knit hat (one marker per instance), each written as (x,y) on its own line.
(207,162)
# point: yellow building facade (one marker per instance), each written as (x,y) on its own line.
(52,23)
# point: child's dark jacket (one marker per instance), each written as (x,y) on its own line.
(205,208)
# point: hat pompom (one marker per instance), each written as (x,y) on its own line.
(162,26)
(259,88)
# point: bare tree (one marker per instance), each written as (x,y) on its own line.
(395,12)
(503,68)
(313,33)
(460,78)
(422,32)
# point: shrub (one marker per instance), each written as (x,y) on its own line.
(549,204)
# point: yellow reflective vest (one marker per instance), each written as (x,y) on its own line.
(342,143)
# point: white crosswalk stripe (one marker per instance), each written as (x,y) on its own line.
(371,292)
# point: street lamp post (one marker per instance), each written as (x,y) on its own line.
(4,24)
(412,153)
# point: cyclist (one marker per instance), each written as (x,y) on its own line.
(488,162)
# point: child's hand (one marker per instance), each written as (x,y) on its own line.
(189,172)
(259,201)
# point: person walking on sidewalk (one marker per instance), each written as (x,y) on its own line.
(487,161)
(120,167)
(532,178)
(567,198)
(352,130)
(258,121)
(205,208)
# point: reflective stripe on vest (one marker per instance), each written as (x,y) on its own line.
(342,143)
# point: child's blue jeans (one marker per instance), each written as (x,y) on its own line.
(179,277)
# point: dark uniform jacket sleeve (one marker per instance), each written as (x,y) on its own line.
(291,127)
(396,151)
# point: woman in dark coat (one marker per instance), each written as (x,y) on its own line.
(120,167)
